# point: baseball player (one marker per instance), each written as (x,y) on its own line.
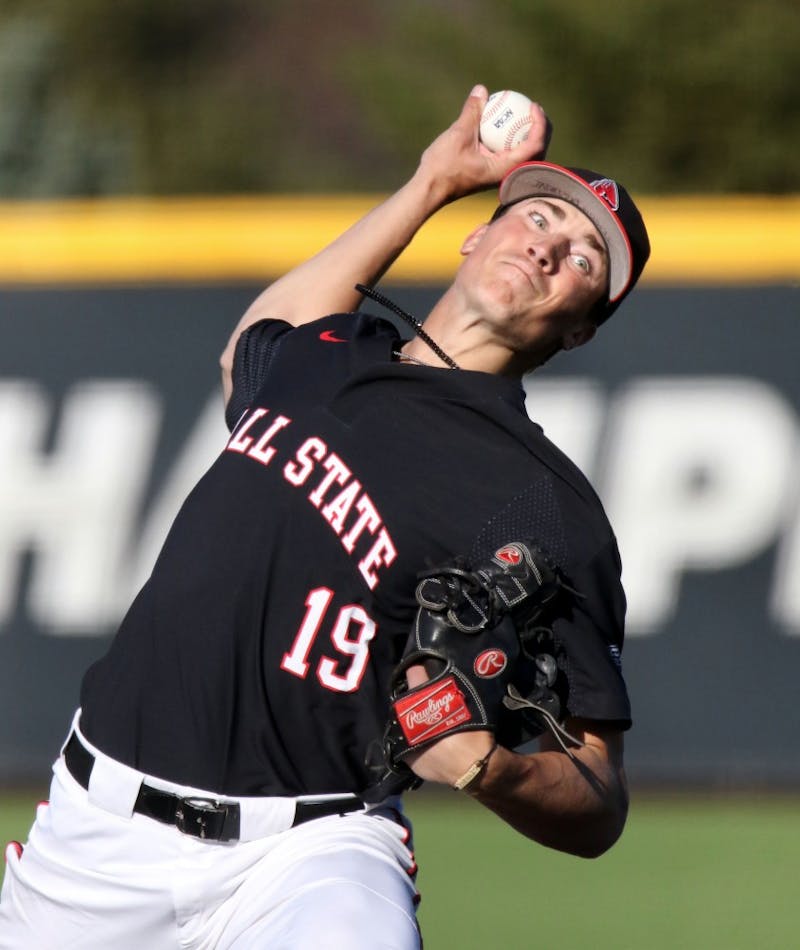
(389,575)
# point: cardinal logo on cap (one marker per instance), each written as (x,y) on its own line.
(606,189)
(509,554)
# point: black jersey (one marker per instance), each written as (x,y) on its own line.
(256,658)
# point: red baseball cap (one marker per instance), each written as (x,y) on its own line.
(607,205)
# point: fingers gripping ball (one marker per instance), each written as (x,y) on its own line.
(506,120)
(470,634)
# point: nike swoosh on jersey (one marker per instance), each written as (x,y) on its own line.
(328,337)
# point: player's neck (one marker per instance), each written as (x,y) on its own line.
(466,339)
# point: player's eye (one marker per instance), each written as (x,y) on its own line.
(582,263)
(538,219)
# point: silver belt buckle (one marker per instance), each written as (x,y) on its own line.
(196,816)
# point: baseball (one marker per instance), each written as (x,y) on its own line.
(506,120)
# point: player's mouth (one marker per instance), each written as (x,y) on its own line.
(528,270)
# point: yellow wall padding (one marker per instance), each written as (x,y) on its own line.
(708,240)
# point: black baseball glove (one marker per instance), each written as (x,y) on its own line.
(481,632)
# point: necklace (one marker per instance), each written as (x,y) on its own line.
(405,358)
(390,305)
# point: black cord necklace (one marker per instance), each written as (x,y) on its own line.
(411,320)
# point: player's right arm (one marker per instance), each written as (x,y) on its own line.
(454,165)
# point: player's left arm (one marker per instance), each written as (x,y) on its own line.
(574,803)
(481,661)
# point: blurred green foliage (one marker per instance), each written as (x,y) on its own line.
(233,96)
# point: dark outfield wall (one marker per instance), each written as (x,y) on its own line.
(683,412)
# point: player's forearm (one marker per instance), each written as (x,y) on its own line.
(578,806)
(326,282)
(362,254)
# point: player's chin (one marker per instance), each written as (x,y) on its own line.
(515,302)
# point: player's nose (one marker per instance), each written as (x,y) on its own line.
(547,250)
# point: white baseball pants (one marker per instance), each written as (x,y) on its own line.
(90,879)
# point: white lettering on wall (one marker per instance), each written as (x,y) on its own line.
(697,480)
(204,443)
(572,413)
(697,474)
(785,596)
(75,506)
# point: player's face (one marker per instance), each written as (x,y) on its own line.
(536,273)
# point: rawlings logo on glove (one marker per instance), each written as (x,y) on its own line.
(431,711)
(490,663)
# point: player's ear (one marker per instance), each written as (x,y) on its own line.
(472,240)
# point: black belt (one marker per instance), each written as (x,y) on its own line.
(198,817)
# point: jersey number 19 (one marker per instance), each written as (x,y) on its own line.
(352,630)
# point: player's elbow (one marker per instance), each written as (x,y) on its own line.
(603,838)
(601,830)
(592,830)
(585,839)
